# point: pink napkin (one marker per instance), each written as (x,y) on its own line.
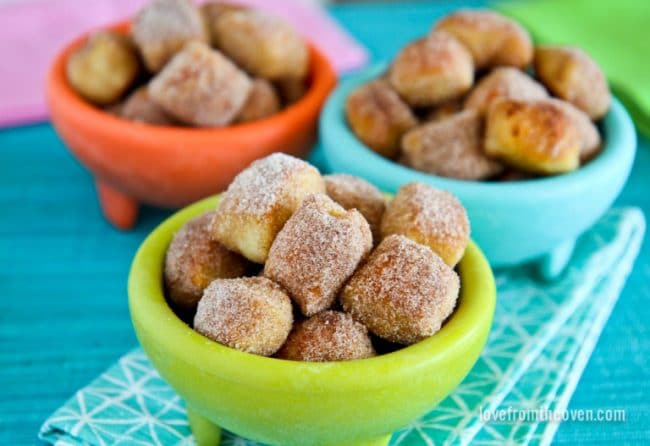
(32,31)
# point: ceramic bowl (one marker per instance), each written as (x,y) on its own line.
(513,222)
(290,403)
(136,163)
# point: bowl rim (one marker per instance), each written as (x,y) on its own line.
(620,142)
(150,311)
(321,74)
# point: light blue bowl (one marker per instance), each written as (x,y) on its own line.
(514,222)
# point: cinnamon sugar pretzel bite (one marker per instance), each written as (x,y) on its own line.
(103,68)
(355,193)
(193,260)
(163,27)
(262,44)
(212,12)
(379,117)
(504,83)
(430,216)
(200,86)
(492,38)
(591,141)
(403,293)
(260,200)
(327,336)
(251,314)
(450,147)
(432,70)
(140,107)
(263,101)
(317,251)
(534,136)
(572,75)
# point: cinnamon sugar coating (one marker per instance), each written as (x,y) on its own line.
(378,116)
(432,70)
(450,147)
(504,83)
(403,293)
(572,75)
(492,38)
(193,260)
(260,200)
(317,251)
(430,216)
(200,86)
(163,27)
(251,314)
(262,44)
(534,136)
(327,336)
(356,193)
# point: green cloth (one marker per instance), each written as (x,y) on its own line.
(614,33)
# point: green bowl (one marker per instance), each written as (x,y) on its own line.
(279,402)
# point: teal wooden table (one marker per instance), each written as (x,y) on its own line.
(63,308)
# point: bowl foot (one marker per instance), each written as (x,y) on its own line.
(119,209)
(205,432)
(552,264)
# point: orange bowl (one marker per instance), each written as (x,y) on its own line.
(135,163)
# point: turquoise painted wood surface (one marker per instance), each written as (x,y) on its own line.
(63,269)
